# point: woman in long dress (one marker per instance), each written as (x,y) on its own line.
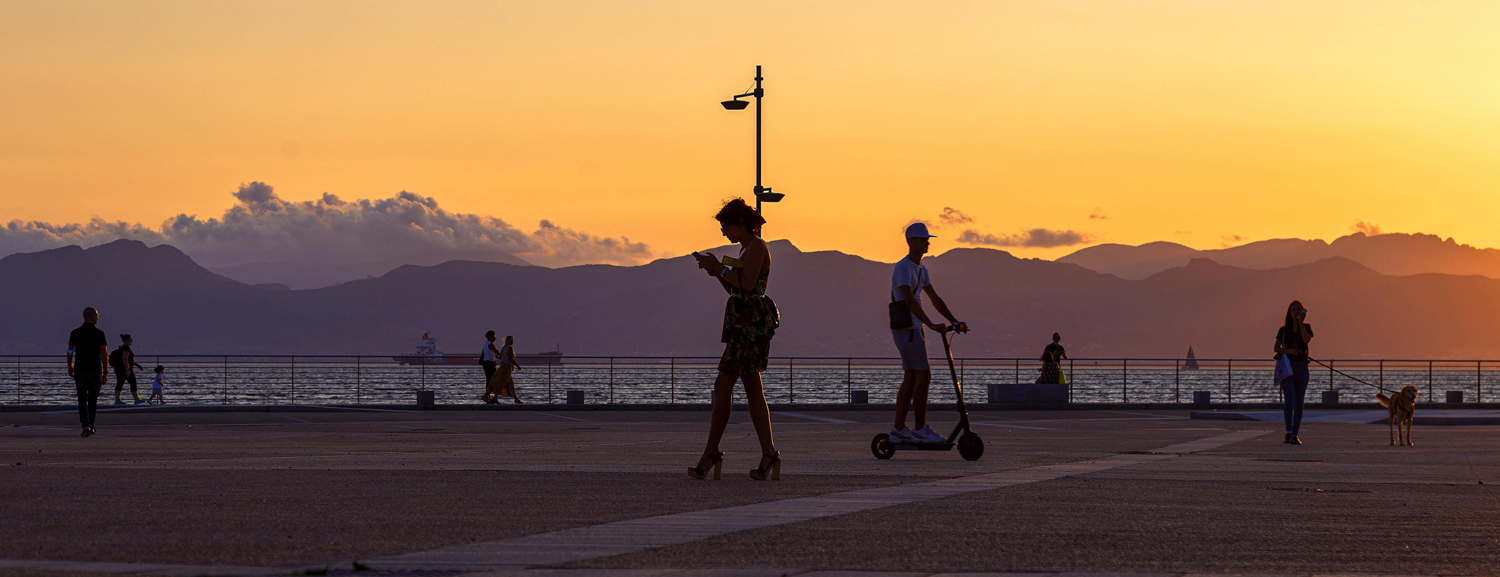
(750,321)
(502,384)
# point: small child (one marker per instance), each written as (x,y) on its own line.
(156,387)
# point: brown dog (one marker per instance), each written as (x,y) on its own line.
(1402,408)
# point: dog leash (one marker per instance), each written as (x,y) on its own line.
(1348,376)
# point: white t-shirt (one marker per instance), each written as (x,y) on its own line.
(156,383)
(909,274)
(485,354)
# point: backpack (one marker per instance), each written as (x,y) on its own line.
(117,358)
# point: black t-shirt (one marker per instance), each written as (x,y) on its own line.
(86,341)
(1057,352)
(1291,339)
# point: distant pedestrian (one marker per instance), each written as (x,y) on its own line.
(156,386)
(1052,358)
(750,322)
(1291,341)
(122,360)
(88,356)
(909,281)
(487,356)
(502,384)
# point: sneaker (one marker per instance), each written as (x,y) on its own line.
(903,435)
(138,401)
(86,432)
(927,435)
(119,403)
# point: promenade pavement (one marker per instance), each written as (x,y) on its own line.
(527,491)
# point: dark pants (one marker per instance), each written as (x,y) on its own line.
(121,378)
(88,396)
(1294,392)
(489,370)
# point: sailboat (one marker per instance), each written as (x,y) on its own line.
(1192,361)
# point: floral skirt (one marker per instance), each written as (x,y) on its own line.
(749,324)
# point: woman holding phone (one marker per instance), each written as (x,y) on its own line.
(750,320)
(1291,340)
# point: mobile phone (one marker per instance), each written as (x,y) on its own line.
(731,261)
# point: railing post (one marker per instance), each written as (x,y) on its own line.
(1230,396)
(1380,376)
(672,377)
(1124,380)
(1070,380)
(1479,381)
(549,381)
(294,380)
(226,379)
(1330,375)
(1018,370)
(611,380)
(849,380)
(1177,380)
(1429,381)
(18,380)
(357,383)
(791,391)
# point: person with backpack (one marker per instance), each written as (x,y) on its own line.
(122,360)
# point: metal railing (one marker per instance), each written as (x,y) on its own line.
(378,379)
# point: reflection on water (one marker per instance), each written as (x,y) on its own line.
(370,380)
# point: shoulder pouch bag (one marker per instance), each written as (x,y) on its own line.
(1283,364)
(900,314)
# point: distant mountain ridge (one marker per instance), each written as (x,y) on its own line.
(1392,253)
(298,275)
(832,304)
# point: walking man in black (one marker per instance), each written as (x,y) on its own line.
(88,356)
(123,361)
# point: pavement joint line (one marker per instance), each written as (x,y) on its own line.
(1009,425)
(289,417)
(815,418)
(621,537)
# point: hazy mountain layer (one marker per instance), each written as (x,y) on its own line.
(1395,254)
(831,303)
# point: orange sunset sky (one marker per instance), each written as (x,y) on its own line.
(1203,123)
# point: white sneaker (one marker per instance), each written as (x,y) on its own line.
(904,435)
(927,435)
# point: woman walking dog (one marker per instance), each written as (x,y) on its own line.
(750,320)
(1291,342)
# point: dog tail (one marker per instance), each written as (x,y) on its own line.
(1384,400)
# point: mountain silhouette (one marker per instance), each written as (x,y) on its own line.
(832,304)
(310,275)
(1393,253)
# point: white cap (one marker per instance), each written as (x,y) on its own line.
(917,230)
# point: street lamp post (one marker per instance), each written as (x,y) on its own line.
(762,193)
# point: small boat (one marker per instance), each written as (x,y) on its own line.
(1192,361)
(552,357)
(428,353)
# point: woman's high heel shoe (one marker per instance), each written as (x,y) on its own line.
(768,468)
(716,463)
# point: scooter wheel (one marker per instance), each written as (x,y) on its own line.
(882,447)
(970,447)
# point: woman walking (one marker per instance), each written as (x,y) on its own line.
(750,320)
(1291,341)
(1052,358)
(502,384)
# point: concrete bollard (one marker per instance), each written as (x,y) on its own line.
(426,399)
(1455,396)
(859,397)
(1330,397)
(575,397)
(1202,397)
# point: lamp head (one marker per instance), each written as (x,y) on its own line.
(735,104)
(769,196)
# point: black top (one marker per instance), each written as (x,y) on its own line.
(1056,350)
(86,342)
(1291,339)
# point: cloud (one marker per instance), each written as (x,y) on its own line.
(1097,214)
(1369,228)
(1231,240)
(1033,238)
(953,217)
(262,227)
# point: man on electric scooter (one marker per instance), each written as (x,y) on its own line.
(908,282)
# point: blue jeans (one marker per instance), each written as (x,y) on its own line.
(1294,392)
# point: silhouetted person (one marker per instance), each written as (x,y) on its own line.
(1052,358)
(502,384)
(487,357)
(1291,340)
(750,321)
(88,355)
(122,360)
(908,281)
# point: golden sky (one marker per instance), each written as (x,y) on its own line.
(1198,122)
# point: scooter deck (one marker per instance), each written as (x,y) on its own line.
(944,446)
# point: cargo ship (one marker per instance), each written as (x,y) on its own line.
(428,353)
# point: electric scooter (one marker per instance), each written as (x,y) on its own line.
(970,447)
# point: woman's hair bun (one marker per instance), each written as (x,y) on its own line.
(737,212)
